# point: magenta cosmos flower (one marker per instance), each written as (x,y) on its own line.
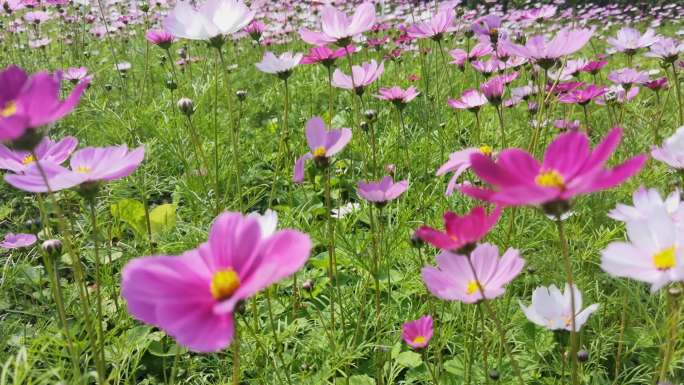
(458,163)
(417,334)
(30,102)
(569,168)
(338,28)
(383,191)
(362,76)
(470,100)
(546,53)
(88,165)
(436,27)
(47,150)
(582,96)
(487,27)
(453,280)
(192,297)
(629,40)
(460,231)
(323,144)
(16,241)
(214,18)
(628,76)
(398,96)
(325,55)
(159,37)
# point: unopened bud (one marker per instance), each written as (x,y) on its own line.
(241,95)
(52,247)
(186,106)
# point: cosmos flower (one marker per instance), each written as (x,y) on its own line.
(382,191)
(160,38)
(458,163)
(553,310)
(487,27)
(657,84)
(325,55)
(192,297)
(582,96)
(628,76)
(255,29)
(453,279)
(654,253)
(470,100)
(47,150)
(546,53)
(569,169)
(281,66)
(88,165)
(460,231)
(31,102)
(629,40)
(436,27)
(17,241)
(417,334)
(645,202)
(672,150)
(363,76)
(338,28)
(397,95)
(323,144)
(213,19)
(76,74)
(666,49)
(594,67)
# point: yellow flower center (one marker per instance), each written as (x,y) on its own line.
(9,109)
(83,169)
(486,150)
(224,283)
(419,340)
(472,287)
(550,178)
(28,159)
(319,152)
(665,259)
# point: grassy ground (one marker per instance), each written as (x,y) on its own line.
(296,346)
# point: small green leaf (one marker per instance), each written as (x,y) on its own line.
(163,218)
(130,212)
(409,359)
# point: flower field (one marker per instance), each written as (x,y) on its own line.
(341,192)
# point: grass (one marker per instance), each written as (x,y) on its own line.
(298,347)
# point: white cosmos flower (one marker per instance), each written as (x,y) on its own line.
(553,310)
(212,19)
(268,221)
(645,202)
(654,253)
(272,64)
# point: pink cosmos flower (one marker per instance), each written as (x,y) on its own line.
(470,100)
(629,40)
(88,165)
(47,150)
(192,297)
(76,74)
(553,310)
(493,89)
(594,67)
(582,96)
(382,191)
(539,14)
(337,27)
(255,29)
(363,76)
(323,144)
(160,37)
(657,84)
(17,241)
(397,95)
(645,202)
(628,76)
(666,49)
(436,27)
(453,280)
(672,150)
(30,102)
(567,125)
(417,334)
(546,53)
(458,163)
(213,19)
(569,169)
(325,55)
(279,65)
(487,27)
(460,231)
(481,49)
(654,253)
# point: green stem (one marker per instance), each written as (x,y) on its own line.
(236,357)
(332,271)
(569,278)
(679,94)
(98,277)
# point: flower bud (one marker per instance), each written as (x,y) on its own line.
(186,106)
(241,95)
(52,247)
(582,356)
(493,374)
(308,285)
(370,115)
(416,241)
(171,85)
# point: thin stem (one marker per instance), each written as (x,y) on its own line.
(586,119)
(499,112)
(568,272)
(236,357)
(216,141)
(679,94)
(430,368)
(671,340)
(174,368)
(331,245)
(236,158)
(484,343)
(404,134)
(621,338)
(98,277)
(330,95)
